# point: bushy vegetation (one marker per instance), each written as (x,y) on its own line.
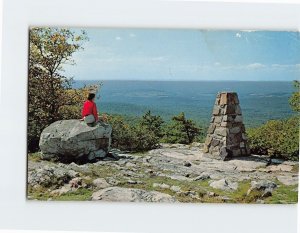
(139,136)
(50,97)
(148,131)
(294,100)
(276,138)
(181,130)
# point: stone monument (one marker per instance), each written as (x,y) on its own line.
(226,137)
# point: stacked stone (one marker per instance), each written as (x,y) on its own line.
(226,135)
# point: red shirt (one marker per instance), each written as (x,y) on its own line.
(89,107)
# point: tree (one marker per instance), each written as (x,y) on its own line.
(48,89)
(295,98)
(152,123)
(181,130)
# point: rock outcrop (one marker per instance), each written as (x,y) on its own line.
(131,195)
(160,175)
(73,140)
(48,176)
(226,135)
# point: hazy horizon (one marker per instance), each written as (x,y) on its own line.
(181,80)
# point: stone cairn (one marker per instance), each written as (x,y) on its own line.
(226,135)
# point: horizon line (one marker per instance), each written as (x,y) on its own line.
(189,80)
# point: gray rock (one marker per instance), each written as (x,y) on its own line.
(203,176)
(222,131)
(177,177)
(97,154)
(259,201)
(74,139)
(129,164)
(100,183)
(73,173)
(62,190)
(162,186)
(175,188)
(280,167)
(265,187)
(288,179)
(131,195)
(112,181)
(191,194)
(225,198)
(50,176)
(224,184)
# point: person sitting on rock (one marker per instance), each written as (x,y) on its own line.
(89,111)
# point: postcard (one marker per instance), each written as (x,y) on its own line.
(163,115)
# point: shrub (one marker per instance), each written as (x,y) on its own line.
(152,123)
(181,130)
(137,136)
(276,138)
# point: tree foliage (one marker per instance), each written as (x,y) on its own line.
(152,123)
(181,130)
(276,138)
(139,136)
(295,98)
(50,96)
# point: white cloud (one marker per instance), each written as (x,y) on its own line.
(289,67)
(118,38)
(255,66)
(238,35)
(132,35)
(248,30)
(251,66)
(276,65)
(161,58)
(240,67)
(286,66)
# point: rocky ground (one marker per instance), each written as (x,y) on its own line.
(172,173)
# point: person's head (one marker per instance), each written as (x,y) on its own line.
(91,96)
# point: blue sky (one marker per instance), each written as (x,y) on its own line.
(187,54)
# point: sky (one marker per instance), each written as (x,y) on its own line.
(187,54)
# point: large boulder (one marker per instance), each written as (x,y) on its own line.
(131,195)
(74,140)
